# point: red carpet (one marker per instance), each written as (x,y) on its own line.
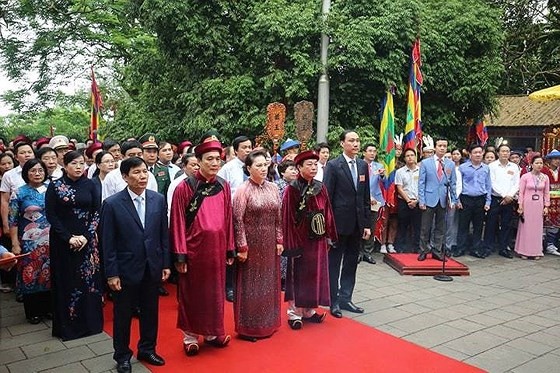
(336,344)
(408,264)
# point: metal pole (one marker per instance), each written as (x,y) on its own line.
(323,92)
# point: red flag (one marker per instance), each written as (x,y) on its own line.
(481,132)
(96,105)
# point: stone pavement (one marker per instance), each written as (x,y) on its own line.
(505,317)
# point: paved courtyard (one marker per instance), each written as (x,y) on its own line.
(505,317)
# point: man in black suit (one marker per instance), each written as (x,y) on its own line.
(347,182)
(135,242)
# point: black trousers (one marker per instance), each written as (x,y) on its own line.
(37,304)
(343,262)
(230,277)
(472,212)
(408,228)
(145,295)
(498,225)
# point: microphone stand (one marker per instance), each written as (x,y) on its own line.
(442,276)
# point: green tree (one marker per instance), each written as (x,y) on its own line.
(58,40)
(462,64)
(71,120)
(531,49)
(182,67)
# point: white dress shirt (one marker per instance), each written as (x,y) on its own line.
(142,196)
(114,183)
(320,171)
(171,190)
(232,172)
(407,178)
(504,178)
(11,181)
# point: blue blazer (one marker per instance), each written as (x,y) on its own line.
(374,187)
(431,190)
(351,206)
(127,247)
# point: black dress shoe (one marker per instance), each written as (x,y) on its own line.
(34,320)
(457,254)
(439,257)
(229,295)
(124,367)
(351,307)
(336,312)
(369,259)
(162,291)
(152,359)
(506,254)
(422,257)
(477,254)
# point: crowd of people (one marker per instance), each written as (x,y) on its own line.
(83,223)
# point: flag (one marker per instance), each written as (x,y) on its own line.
(477,134)
(387,142)
(96,105)
(481,132)
(413,127)
(387,146)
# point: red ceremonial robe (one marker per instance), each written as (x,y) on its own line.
(307,279)
(200,291)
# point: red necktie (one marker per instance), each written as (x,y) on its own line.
(440,169)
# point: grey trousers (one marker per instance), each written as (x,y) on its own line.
(436,216)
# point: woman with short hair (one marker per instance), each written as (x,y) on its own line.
(104,162)
(534,200)
(258,238)
(72,204)
(29,230)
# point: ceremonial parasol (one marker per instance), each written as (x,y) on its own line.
(547,94)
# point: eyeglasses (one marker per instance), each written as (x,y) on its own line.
(38,171)
(108,161)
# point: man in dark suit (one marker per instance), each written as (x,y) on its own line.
(347,182)
(135,244)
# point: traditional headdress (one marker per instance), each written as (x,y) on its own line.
(308,154)
(398,140)
(209,146)
(428,143)
(499,141)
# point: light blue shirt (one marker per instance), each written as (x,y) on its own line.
(374,178)
(476,181)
